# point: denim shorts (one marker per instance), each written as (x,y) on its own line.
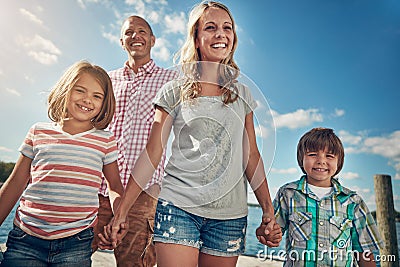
(30,251)
(214,237)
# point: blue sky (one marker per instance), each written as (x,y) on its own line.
(312,62)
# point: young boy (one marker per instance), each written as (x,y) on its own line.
(327,224)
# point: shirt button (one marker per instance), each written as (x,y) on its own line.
(321,204)
(321,223)
(321,245)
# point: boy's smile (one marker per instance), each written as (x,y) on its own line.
(320,167)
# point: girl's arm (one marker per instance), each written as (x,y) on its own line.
(15,185)
(144,168)
(254,168)
(115,188)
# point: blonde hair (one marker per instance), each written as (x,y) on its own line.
(60,93)
(188,58)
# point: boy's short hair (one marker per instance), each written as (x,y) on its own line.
(319,139)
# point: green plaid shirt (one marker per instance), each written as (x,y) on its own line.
(327,231)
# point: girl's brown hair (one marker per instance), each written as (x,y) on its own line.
(60,93)
(319,139)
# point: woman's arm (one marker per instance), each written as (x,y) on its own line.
(15,185)
(254,168)
(144,167)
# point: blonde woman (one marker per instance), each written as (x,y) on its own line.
(201,216)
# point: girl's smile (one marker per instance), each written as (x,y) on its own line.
(85,100)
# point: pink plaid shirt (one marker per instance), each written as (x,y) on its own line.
(134,116)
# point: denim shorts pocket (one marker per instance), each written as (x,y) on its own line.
(300,224)
(85,235)
(340,228)
(17,233)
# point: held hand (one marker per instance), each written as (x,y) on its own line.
(275,237)
(113,234)
(269,232)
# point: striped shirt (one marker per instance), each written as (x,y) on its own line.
(327,231)
(134,115)
(61,198)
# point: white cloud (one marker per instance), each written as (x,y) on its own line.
(360,190)
(386,146)
(13,92)
(82,3)
(299,118)
(175,23)
(30,16)
(153,17)
(349,175)
(339,112)
(261,131)
(111,37)
(138,5)
(42,50)
(161,51)
(348,138)
(285,171)
(5,149)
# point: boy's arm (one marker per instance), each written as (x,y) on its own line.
(366,260)
(365,234)
(14,186)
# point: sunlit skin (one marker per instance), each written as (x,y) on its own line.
(137,40)
(215,35)
(320,167)
(85,102)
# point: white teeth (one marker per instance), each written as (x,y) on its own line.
(219,45)
(85,108)
(136,44)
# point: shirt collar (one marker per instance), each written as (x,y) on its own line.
(147,68)
(341,192)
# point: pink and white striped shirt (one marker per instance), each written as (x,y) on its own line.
(66,170)
(134,115)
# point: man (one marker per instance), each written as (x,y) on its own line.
(135,86)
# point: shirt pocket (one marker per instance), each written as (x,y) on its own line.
(300,225)
(145,107)
(340,231)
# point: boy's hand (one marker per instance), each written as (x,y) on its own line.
(267,236)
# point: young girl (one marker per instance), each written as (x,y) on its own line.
(59,173)
(202,211)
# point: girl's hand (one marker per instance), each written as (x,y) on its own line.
(113,234)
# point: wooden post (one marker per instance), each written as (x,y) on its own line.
(385,216)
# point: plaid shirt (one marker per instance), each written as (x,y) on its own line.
(324,232)
(134,114)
